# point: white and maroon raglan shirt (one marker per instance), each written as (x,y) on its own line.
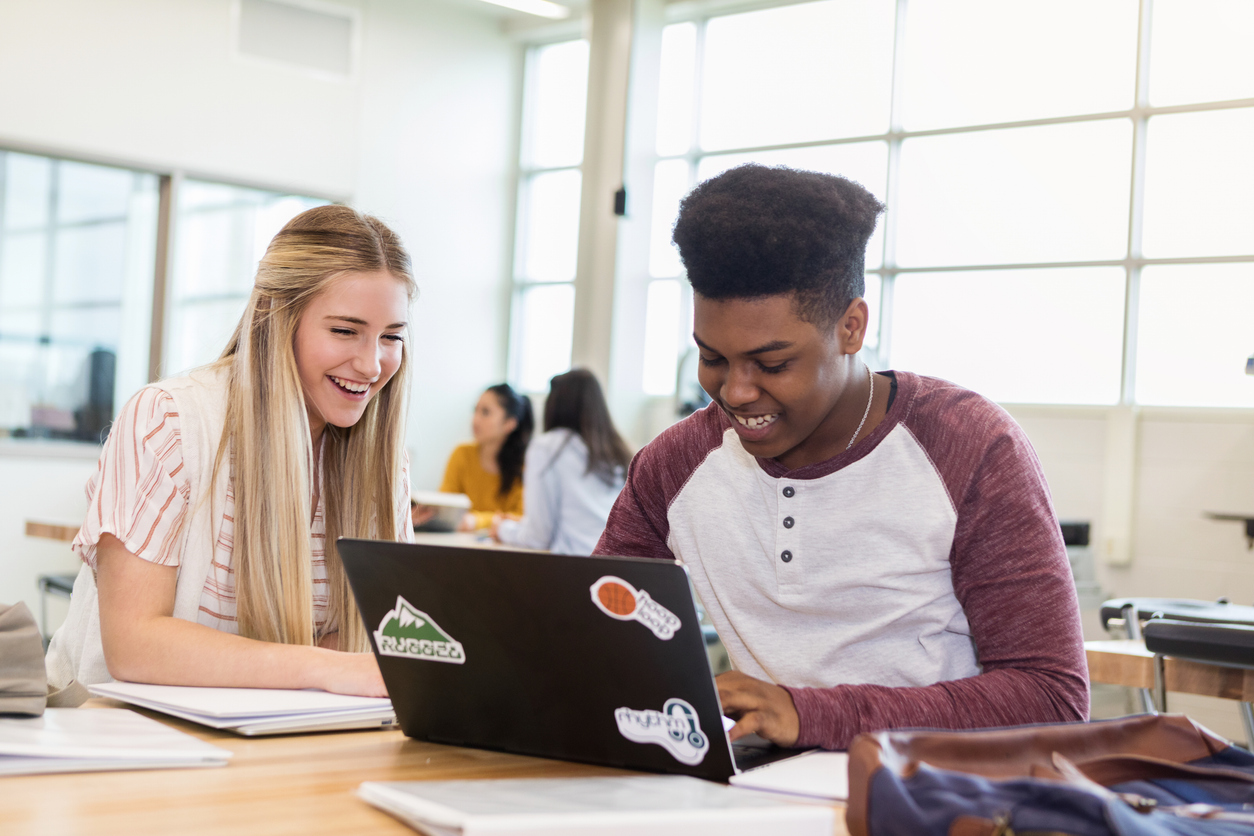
(916,580)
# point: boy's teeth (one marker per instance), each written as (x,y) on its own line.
(352,387)
(757,421)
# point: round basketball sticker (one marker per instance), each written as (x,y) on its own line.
(620,600)
(615,596)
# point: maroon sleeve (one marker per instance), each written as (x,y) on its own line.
(1011,577)
(638,524)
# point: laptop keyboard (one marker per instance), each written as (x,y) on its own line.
(753,751)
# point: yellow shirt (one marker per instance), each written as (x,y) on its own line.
(465,475)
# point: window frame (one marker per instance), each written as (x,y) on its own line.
(1132,262)
(158,287)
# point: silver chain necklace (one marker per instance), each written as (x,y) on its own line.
(870,397)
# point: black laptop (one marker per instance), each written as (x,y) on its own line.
(594,659)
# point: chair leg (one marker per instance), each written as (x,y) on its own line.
(43,614)
(1145,696)
(1247,720)
(1160,684)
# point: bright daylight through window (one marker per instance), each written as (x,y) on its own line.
(1041,177)
(78,258)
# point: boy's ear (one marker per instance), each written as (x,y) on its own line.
(851,326)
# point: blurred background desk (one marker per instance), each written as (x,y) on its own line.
(1128,663)
(297,784)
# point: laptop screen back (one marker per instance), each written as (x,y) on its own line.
(596,659)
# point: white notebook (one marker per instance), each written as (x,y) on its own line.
(94,739)
(256,711)
(650,805)
(823,775)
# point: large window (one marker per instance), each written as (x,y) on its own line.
(222,232)
(547,233)
(1068,183)
(79,250)
(77,246)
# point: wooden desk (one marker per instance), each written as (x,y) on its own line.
(295,784)
(1129,663)
(65,532)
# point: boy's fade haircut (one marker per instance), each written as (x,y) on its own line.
(756,231)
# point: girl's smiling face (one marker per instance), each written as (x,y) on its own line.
(349,343)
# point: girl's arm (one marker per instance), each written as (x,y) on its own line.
(144,642)
(541,498)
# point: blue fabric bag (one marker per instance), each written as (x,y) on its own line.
(1148,775)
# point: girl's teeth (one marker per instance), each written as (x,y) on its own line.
(352,387)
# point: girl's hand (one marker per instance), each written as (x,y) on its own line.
(356,674)
(468,522)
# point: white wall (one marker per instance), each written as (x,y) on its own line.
(438,145)
(1188,462)
(422,134)
(155,82)
(44,488)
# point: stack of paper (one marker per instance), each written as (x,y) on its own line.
(256,711)
(653,805)
(93,739)
(823,775)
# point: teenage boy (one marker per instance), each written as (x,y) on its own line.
(876,550)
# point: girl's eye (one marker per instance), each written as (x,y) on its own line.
(708,361)
(342,331)
(396,338)
(773,369)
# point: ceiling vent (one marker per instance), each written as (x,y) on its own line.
(308,36)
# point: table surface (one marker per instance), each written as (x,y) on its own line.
(297,784)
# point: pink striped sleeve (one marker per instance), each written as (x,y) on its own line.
(140,490)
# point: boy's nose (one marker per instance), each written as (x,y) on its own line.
(738,389)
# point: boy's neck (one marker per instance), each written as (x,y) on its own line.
(845,426)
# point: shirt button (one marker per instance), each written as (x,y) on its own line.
(788,522)
(785,556)
(788,492)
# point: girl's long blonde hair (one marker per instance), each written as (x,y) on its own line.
(267,445)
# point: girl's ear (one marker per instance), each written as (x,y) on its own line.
(510,425)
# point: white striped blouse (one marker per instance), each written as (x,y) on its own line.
(139,494)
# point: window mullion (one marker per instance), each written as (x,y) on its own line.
(889,276)
(1136,207)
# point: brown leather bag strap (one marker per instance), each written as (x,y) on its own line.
(1119,769)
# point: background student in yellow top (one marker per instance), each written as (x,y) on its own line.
(489,470)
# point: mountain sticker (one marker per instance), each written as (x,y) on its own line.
(410,633)
(620,600)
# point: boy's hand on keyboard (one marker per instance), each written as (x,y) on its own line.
(759,707)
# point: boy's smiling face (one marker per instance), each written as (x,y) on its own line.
(788,386)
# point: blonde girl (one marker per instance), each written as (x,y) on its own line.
(209,542)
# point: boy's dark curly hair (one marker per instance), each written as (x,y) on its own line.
(755,231)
